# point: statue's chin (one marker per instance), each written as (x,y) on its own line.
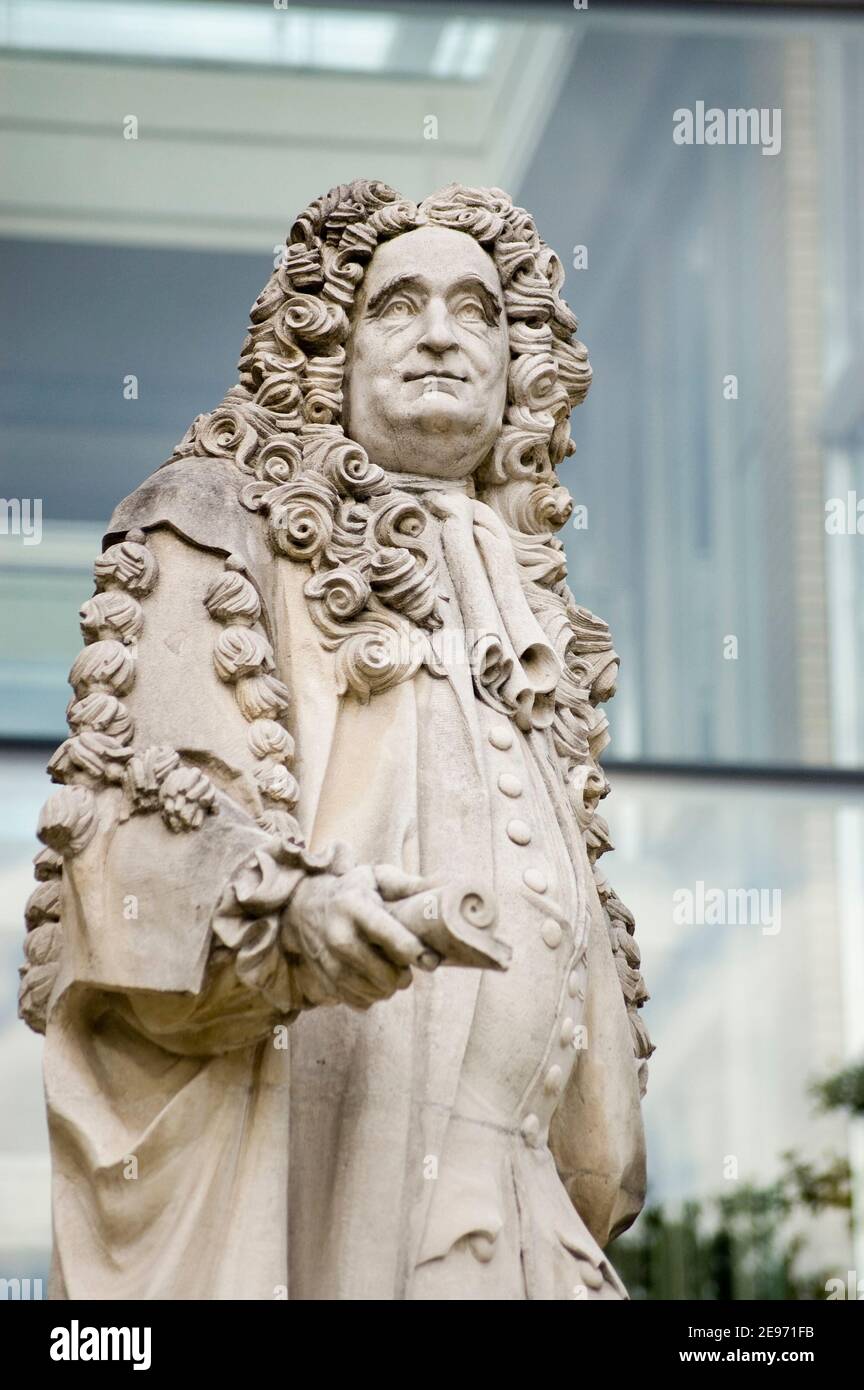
(437,447)
(433,439)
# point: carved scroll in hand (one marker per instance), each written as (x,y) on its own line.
(456,920)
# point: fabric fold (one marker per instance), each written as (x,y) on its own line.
(514,668)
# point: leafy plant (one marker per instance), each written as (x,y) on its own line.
(842,1091)
(744,1244)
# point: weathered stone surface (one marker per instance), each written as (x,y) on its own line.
(337,1003)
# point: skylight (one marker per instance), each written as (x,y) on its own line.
(358,41)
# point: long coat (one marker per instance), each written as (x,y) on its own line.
(209,1141)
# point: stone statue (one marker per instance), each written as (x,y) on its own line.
(337,1003)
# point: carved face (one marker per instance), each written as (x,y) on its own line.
(428,355)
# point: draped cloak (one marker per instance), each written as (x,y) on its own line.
(448,1142)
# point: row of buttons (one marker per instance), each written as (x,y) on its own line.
(535,878)
(553,1081)
(519,831)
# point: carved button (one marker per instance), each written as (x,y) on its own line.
(551,933)
(531,1130)
(573,985)
(553,1080)
(501,736)
(519,832)
(482,1245)
(535,879)
(567,1028)
(509,785)
(591,1277)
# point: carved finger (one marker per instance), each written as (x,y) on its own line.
(399,944)
(314,985)
(364,961)
(349,987)
(393,883)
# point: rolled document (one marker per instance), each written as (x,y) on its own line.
(456,921)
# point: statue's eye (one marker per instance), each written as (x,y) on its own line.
(471,310)
(398,308)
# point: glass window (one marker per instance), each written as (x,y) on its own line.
(153,157)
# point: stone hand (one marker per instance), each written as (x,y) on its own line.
(351,949)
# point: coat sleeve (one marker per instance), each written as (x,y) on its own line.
(597,1137)
(170,847)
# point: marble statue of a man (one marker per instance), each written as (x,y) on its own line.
(337,1003)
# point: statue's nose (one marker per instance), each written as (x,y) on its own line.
(437,328)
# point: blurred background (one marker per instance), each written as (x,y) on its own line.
(152,157)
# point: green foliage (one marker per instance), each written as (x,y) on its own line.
(843,1091)
(744,1244)
(734,1246)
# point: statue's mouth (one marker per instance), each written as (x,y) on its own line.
(438,375)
